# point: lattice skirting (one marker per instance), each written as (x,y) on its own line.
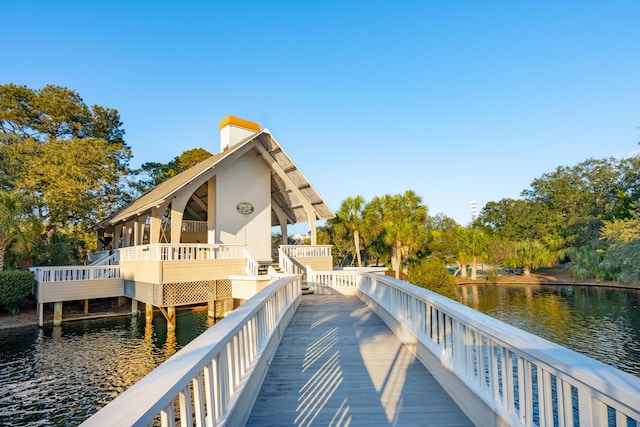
(185,293)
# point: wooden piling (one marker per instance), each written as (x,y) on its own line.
(57,313)
(148,308)
(171,318)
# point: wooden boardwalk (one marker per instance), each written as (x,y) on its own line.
(338,364)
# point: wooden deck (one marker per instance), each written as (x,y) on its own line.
(338,364)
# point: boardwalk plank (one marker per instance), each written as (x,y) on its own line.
(338,364)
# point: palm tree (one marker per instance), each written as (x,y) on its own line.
(532,254)
(350,218)
(402,222)
(473,244)
(18,228)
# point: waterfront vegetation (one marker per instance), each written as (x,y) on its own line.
(585,216)
(64,166)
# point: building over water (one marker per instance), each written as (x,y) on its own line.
(204,234)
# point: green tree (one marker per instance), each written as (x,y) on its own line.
(401,219)
(442,240)
(473,244)
(350,220)
(151,174)
(431,273)
(532,254)
(66,159)
(18,227)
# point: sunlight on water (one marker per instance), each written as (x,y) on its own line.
(62,375)
(602,323)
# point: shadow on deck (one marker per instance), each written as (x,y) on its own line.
(339,364)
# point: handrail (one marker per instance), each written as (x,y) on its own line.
(107,260)
(301,251)
(183,251)
(252,265)
(210,377)
(76,273)
(97,256)
(525,379)
(289,265)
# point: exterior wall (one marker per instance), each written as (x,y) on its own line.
(142,271)
(316,263)
(148,293)
(191,271)
(244,287)
(248,180)
(157,272)
(79,290)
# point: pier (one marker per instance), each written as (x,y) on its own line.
(496,374)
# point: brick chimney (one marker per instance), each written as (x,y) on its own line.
(234,129)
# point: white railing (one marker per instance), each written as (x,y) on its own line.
(94,257)
(288,265)
(215,378)
(301,251)
(195,227)
(76,273)
(252,265)
(526,380)
(171,252)
(334,279)
(108,260)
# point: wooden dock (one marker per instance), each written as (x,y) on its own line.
(338,364)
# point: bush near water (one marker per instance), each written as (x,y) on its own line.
(15,287)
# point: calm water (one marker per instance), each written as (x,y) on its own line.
(603,323)
(62,375)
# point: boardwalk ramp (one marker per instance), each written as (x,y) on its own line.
(339,364)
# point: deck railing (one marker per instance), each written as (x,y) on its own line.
(215,378)
(76,273)
(195,227)
(526,380)
(301,251)
(171,252)
(252,265)
(288,264)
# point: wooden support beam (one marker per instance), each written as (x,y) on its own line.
(171,318)
(134,307)
(86,306)
(148,308)
(57,313)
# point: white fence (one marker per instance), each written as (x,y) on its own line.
(196,227)
(214,379)
(301,251)
(76,273)
(524,379)
(171,252)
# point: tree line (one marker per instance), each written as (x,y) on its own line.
(586,216)
(64,166)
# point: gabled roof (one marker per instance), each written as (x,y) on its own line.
(290,189)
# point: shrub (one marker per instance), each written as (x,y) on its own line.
(431,273)
(15,286)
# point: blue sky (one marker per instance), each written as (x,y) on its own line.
(456,100)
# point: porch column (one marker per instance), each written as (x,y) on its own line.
(177,212)
(139,230)
(211,210)
(311,216)
(128,233)
(117,234)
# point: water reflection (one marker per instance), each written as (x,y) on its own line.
(603,323)
(61,375)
